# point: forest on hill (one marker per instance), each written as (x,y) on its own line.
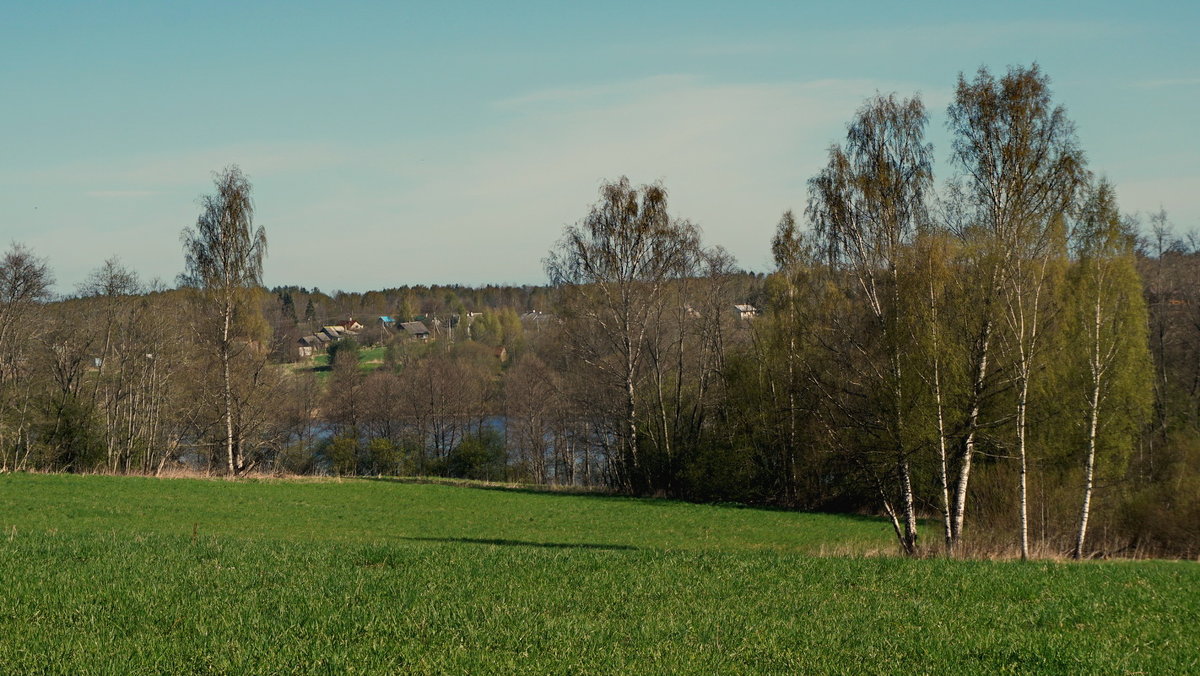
(999,358)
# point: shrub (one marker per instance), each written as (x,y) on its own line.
(479,456)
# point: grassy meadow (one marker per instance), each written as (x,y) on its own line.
(369,359)
(137,575)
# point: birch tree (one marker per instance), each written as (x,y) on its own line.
(224,255)
(932,256)
(792,253)
(1020,169)
(1029,289)
(612,270)
(1109,328)
(866,206)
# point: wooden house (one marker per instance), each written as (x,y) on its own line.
(416,330)
(308,346)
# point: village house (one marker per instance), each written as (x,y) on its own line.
(308,346)
(746,311)
(416,330)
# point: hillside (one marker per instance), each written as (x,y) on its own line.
(136,575)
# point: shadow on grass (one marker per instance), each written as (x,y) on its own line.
(608,494)
(525,543)
(506,488)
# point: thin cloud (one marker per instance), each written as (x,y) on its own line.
(1168,83)
(888,39)
(120,194)
(185,168)
(976,35)
(734,157)
(598,93)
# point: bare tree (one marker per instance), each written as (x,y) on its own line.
(224,257)
(613,270)
(110,290)
(24,287)
(532,401)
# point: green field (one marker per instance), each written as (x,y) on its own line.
(132,575)
(369,359)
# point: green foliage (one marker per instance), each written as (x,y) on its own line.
(1163,507)
(70,438)
(287,307)
(392,354)
(486,329)
(499,328)
(479,456)
(719,473)
(405,310)
(345,352)
(342,452)
(480,357)
(385,457)
(296,458)
(248,320)
(1107,331)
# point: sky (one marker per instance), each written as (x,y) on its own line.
(400,143)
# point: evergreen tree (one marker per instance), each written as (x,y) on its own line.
(288,307)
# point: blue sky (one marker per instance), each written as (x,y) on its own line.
(403,143)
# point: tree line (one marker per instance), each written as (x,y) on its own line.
(995,359)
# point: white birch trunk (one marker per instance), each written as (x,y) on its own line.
(968,448)
(1097,369)
(1024,487)
(230,460)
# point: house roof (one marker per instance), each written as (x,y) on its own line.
(415,328)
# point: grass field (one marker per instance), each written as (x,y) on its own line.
(130,575)
(369,359)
